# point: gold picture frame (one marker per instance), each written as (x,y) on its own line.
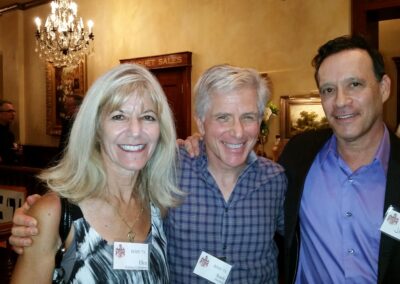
(60,82)
(301,113)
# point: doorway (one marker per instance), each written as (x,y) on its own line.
(171,80)
(173,72)
(1,75)
(365,17)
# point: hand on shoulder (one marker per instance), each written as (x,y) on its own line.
(47,212)
(36,264)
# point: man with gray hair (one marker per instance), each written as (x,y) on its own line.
(234,202)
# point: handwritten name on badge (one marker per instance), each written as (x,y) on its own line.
(391,223)
(131,256)
(212,268)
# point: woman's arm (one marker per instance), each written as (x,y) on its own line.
(36,264)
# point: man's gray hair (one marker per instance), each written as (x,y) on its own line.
(227,78)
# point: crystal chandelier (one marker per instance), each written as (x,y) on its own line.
(63,40)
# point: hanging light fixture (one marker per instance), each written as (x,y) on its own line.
(63,40)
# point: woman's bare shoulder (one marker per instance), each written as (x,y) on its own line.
(47,211)
(36,264)
(47,207)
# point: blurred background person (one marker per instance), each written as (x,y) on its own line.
(8,147)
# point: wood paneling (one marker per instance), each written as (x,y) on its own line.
(365,17)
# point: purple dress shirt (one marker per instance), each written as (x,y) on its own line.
(340,217)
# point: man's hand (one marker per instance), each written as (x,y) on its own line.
(191,144)
(24,226)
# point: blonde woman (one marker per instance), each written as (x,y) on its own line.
(118,174)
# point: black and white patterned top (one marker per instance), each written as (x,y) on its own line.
(89,259)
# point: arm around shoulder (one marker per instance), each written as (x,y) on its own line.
(36,264)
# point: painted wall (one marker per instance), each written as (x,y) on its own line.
(274,36)
(11,47)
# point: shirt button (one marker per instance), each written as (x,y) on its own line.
(348,214)
(224,247)
(351,180)
(350,251)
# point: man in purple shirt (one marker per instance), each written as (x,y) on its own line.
(343,180)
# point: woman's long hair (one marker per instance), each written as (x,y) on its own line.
(81,173)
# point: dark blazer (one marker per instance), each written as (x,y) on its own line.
(297,158)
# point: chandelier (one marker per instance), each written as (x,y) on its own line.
(63,40)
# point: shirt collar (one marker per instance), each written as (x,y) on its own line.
(381,155)
(383,152)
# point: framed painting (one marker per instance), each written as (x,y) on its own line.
(301,113)
(61,82)
(11,198)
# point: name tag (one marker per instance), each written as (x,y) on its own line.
(131,256)
(391,223)
(212,268)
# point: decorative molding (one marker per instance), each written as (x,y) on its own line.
(21,5)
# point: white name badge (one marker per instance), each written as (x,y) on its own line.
(212,268)
(391,224)
(131,256)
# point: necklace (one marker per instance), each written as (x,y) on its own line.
(131,234)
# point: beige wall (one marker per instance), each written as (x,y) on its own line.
(274,36)
(11,47)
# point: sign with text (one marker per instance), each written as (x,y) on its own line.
(162,61)
(11,198)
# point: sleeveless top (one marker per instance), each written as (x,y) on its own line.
(89,258)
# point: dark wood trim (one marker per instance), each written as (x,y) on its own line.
(365,17)
(17,5)
(366,14)
(181,60)
(22,176)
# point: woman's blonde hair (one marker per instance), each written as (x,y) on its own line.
(81,173)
